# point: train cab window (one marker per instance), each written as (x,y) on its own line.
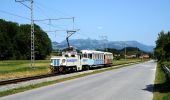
(72,55)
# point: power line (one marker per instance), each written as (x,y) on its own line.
(55,10)
(41,10)
(12,14)
(53,19)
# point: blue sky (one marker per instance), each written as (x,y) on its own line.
(119,20)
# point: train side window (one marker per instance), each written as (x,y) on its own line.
(90,56)
(80,56)
(85,55)
(66,55)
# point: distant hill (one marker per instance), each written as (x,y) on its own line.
(99,44)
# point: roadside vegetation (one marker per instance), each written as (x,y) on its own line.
(162,80)
(162,84)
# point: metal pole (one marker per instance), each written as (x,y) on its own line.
(32,37)
(32,29)
(125,51)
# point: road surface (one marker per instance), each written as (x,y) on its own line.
(128,83)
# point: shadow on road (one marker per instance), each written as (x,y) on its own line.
(162,87)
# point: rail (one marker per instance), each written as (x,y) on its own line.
(11,81)
(166,69)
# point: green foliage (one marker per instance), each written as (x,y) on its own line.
(162,50)
(15,41)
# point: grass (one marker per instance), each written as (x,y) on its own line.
(21,68)
(123,61)
(21,89)
(162,84)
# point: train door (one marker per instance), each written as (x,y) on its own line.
(104,59)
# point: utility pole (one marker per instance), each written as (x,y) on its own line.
(32,29)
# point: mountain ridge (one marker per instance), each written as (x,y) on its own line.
(98,44)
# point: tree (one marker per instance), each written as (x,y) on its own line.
(15,41)
(162,49)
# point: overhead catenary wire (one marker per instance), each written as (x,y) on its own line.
(52,25)
(52,9)
(12,14)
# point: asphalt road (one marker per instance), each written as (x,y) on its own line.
(128,83)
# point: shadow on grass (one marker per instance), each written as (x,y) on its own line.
(161,87)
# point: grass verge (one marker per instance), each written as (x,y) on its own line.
(29,87)
(162,85)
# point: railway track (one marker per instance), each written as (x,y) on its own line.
(13,81)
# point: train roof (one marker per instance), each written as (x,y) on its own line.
(94,52)
(91,51)
(107,53)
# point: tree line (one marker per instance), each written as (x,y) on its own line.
(15,41)
(162,49)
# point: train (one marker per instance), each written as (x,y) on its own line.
(72,60)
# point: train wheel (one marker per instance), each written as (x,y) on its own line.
(62,69)
(87,67)
(52,70)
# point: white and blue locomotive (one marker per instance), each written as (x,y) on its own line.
(73,61)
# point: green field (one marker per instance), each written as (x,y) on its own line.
(21,68)
(162,84)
